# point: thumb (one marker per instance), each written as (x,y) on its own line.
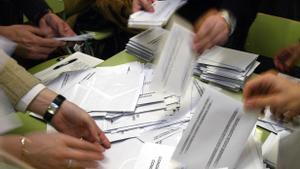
(37,31)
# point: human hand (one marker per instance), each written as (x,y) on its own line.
(48,151)
(31,41)
(54,26)
(146,5)
(282,95)
(72,120)
(211,29)
(286,58)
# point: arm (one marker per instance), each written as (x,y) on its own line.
(69,118)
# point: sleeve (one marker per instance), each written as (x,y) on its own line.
(14,79)
(33,9)
(244,11)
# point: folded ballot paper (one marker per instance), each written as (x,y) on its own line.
(146,44)
(174,67)
(161,15)
(226,67)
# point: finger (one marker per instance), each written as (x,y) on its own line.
(65,30)
(147,5)
(290,115)
(49,42)
(81,144)
(80,155)
(258,102)
(84,164)
(35,30)
(104,139)
(202,38)
(256,86)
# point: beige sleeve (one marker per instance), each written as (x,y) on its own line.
(14,79)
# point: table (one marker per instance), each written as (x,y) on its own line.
(30,124)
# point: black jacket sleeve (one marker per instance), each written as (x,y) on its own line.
(245,12)
(33,9)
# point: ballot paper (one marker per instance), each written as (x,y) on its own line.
(226,67)
(76,61)
(154,156)
(175,64)
(251,158)
(146,44)
(76,38)
(217,133)
(163,10)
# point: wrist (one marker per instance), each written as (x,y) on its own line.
(41,102)
(229,19)
(53,108)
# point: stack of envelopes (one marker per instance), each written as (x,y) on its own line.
(120,99)
(226,67)
(146,44)
(163,10)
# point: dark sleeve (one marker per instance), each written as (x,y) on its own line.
(33,9)
(245,12)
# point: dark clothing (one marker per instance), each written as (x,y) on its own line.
(11,11)
(243,10)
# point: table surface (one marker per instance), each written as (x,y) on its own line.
(31,124)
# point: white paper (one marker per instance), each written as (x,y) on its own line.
(82,61)
(154,156)
(174,69)
(76,38)
(163,10)
(217,134)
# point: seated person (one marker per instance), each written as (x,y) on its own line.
(49,150)
(281,94)
(34,41)
(286,58)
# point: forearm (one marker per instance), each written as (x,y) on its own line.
(14,79)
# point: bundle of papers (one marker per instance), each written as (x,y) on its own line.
(146,44)
(226,67)
(163,10)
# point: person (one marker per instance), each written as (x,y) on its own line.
(218,22)
(49,150)
(286,58)
(34,41)
(269,89)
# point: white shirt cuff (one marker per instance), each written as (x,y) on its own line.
(27,99)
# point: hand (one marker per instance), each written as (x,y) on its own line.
(48,151)
(282,95)
(74,121)
(31,41)
(54,26)
(211,29)
(286,58)
(146,5)
(70,119)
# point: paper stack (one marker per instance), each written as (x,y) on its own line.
(163,10)
(146,44)
(226,67)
